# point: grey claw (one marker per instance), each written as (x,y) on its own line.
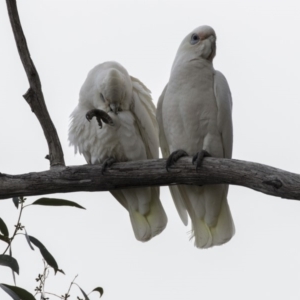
(198,158)
(107,163)
(174,156)
(100,115)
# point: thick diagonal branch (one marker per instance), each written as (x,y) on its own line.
(258,177)
(34,95)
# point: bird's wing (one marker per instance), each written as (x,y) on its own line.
(147,215)
(175,190)
(83,134)
(224,103)
(144,111)
(162,138)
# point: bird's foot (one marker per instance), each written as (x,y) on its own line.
(100,115)
(174,156)
(198,158)
(107,164)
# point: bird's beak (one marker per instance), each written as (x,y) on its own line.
(213,48)
(114,107)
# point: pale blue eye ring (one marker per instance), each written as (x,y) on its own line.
(194,39)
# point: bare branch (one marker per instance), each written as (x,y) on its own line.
(256,176)
(34,95)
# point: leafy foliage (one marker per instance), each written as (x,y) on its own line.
(28,240)
(16,202)
(45,253)
(15,292)
(56,202)
(3,228)
(4,238)
(99,289)
(83,293)
(9,261)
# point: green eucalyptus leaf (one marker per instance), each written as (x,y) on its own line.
(16,201)
(98,289)
(3,228)
(28,240)
(9,291)
(4,238)
(45,253)
(56,202)
(8,261)
(83,293)
(16,292)
(13,273)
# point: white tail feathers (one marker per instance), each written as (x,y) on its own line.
(146,212)
(224,229)
(206,237)
(208,209)
(140,226)
(156,217)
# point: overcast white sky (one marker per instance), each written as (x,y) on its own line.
(258,50)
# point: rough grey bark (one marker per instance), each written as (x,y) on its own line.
(255,176)
(34,95)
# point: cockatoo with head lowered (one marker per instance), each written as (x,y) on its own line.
(129,132)
(194,117)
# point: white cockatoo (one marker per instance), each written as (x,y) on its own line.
(194,117)
(130,133)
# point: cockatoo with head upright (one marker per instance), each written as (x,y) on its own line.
(194,117)
(130,132)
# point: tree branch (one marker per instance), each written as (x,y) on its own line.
(256,176)
(34,95)
(259,177)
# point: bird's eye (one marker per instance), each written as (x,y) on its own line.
(194,39)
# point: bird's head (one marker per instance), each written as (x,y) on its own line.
(113,91)
(200,43)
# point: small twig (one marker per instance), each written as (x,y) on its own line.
(52,294)
(17,227)
(68,293)
(42,278)
(45,275)
(34,96)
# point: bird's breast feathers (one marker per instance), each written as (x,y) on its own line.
(190,108)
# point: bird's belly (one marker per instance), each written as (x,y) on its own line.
(122,141)
(190,120)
